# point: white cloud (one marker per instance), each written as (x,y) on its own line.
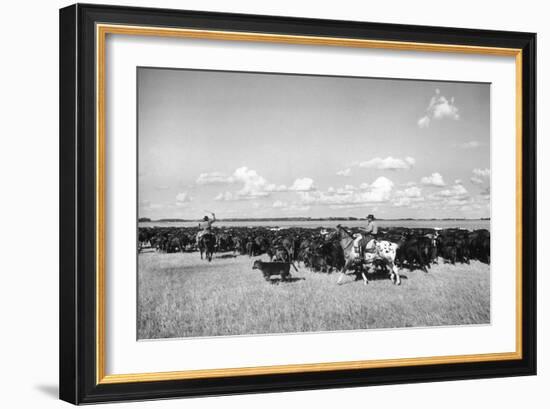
(279,204)
(412,202)
(290,207)
(378,191)
(452,197)
(482,172)
(214,178)
(157,206)
(346,190)
(253,185)
(389,163)
(424,122)
(439,108)
(412,191)
(276,188)
(349,206)
(226,197)
(344,172)
(470,145)
(454,191)
(302,185)
(435,179)
(183,197)
(147,205)
(382,184)
(457,201)
(297,208)
(481,176)
(409,197)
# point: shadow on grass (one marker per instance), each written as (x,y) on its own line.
(226,256)
(382,276)
(377,276)
(277,280)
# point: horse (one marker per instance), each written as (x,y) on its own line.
(207,243)
(385,251)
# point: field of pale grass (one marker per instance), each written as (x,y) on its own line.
(181,296)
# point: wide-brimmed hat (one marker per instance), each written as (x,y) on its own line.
(370,216)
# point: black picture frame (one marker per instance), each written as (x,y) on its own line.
(78,360)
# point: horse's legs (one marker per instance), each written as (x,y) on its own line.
(365,280)
(424,263)
(396,274)
(342,273)
(392,272)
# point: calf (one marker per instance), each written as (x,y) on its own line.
(273,268)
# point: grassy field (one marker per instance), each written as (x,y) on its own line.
(181,296)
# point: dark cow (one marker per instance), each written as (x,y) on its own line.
(412,252)
(173,245)
(252,248)
(224,242)
(274,268)
(479,242)
(318,249)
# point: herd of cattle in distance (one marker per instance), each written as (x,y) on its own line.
(320,249)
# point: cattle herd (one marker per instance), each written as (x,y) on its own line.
(319,248)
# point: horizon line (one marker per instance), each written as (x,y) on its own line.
(348,218)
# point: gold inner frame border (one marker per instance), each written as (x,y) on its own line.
(102,30)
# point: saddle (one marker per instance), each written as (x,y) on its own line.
(202,234)
(369,248)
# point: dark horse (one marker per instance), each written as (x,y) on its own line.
(207,243)
(385,252)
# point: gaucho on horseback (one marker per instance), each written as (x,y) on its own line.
(362,250)
(205,226)
(206,241)
(366,241)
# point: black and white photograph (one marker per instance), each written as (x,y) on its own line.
(262,199)
(276,203)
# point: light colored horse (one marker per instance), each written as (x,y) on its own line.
(385,251)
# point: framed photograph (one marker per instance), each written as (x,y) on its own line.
(257,203)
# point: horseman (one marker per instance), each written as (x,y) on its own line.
(356,246)
(205,227)
(367,242)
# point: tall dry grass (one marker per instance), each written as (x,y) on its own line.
(181,296)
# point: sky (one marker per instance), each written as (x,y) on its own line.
(281,145)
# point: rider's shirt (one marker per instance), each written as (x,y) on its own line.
(206,225)
(372,228)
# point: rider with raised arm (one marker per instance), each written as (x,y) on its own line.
(205,226)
